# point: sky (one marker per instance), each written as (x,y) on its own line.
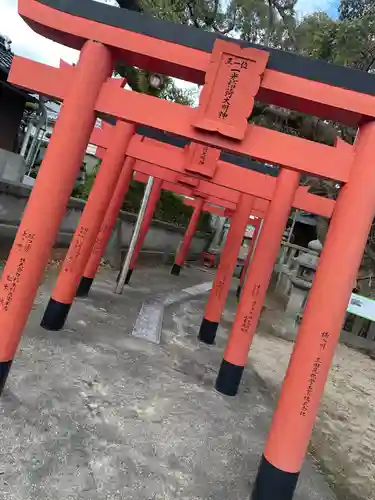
(28,44)
(306,6)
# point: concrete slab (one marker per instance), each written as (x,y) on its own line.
(186,293)
(150,318)
(149,321)
(93,413)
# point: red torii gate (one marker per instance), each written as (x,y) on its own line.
(258,184)
(199,205)
(207,204)
(211,205)
(188,185)
(100,137)
(216,302)
(116,203)
(221,121)
(89,225)
(256,215)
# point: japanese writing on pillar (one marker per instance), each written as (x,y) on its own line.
(99,239)
(249,317)
(27,239)
(324,337)
(75,249)
(202,158)
(221,283)
(219,287)
(236,64)
(12,279)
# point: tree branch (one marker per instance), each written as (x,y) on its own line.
(211,16)
(286,20)
(130,5)
(231,26)
(308,127)
(193,16)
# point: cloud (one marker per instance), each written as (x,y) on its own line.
(27,43)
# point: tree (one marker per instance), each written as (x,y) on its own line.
(355,9)
(348,41)
(171,92)
(267,22)
(138,79)
(262,21)
(130,4)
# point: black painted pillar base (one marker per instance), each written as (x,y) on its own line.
(4,372)
(239,290)
(55,315)
(229,378)
(176,269)
(207,331)
(128,276)
(84,286)
(272,483)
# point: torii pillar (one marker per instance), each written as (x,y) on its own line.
(320,329)
(88,228)
(106,228)
(188,237)
(49,198)
(256,284)
(218,296)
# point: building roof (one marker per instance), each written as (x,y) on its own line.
(307,219)
(6,55)
(6,58)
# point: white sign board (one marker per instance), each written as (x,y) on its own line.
(249,231)
(362,306)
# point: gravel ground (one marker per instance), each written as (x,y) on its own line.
(92,413)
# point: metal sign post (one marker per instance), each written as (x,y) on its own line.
(125,268)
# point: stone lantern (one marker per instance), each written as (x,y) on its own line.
(302,279)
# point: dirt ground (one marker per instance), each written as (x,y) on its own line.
(92,413)
(344,436)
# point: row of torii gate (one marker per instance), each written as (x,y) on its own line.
(234,74)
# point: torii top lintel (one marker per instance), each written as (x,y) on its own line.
(259,143)
(306,85)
